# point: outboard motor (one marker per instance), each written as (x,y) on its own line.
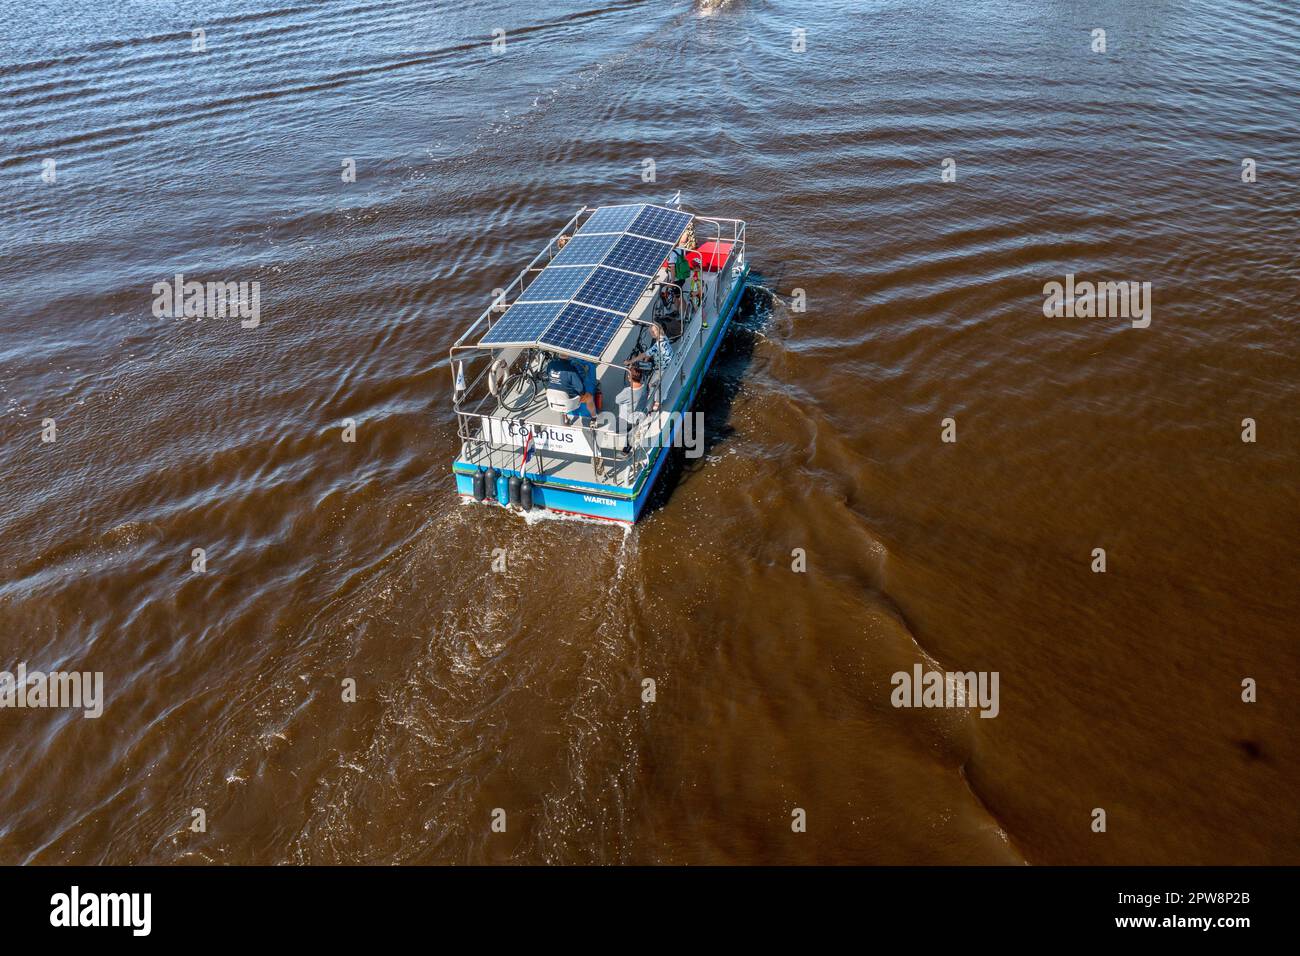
(526,494)
(480,486)
(489,483)
(513,489)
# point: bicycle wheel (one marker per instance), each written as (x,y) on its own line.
(518,391)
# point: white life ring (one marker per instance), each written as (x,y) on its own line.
(497,376)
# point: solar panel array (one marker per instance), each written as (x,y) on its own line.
(579,301)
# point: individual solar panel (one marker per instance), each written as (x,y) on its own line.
(523,323)
(612,218)
(656,222)
(613,290)
(585,250)
(556,284)
(582,330)
(643,256)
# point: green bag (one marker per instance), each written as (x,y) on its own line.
(681,268)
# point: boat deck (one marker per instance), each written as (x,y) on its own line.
(619,471)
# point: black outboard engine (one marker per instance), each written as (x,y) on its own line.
(480,485)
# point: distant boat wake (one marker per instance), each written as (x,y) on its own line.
(707,7)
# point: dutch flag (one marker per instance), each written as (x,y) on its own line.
(528,448)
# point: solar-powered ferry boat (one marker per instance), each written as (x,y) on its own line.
(632,299)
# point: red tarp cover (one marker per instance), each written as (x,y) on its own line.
(712,253)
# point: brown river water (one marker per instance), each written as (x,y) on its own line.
(885,300)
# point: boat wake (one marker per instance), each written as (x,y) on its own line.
(707,8)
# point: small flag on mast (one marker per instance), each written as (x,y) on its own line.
(460,377)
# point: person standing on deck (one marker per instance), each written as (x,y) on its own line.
(660,351)
(634,400)
(633,403)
